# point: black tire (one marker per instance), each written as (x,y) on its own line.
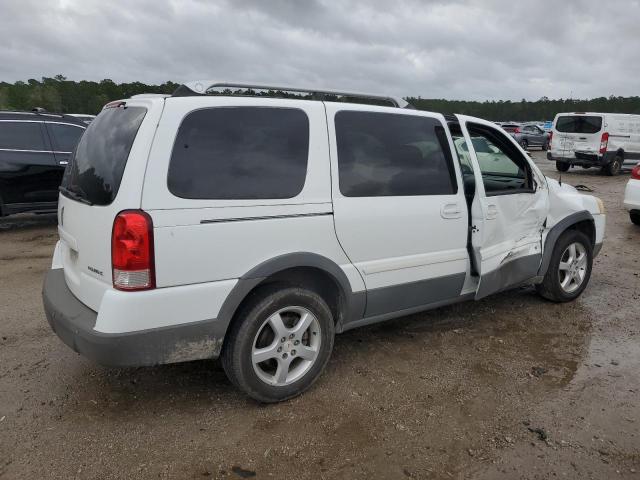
(562,166)
(239,341)
(524,144)
(545,146)
(613,168)
(635,217)
(550,287)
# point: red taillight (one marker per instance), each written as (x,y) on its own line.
(635,172)
(603,142)
(516,130)
(132,251)
(550,137)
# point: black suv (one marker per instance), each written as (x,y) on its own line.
(34,149)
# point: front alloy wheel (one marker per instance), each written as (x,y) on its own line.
(572,268)
(569,268)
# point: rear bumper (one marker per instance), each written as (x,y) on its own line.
(582,158)
(74,323)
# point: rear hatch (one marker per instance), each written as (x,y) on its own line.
(576,133)
(104,177)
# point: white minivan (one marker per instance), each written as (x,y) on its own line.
(253,228)
(605,140)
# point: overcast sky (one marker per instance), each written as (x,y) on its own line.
(452,49)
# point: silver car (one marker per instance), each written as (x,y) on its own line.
(528,135)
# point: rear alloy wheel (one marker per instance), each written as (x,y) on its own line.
(524,144)
(545,146)
(286,346)
(635,217)
(562,166)
(279,343)
(569,269)
(614,167)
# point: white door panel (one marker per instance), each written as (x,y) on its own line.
(507,226)
(395,240)
(400,240)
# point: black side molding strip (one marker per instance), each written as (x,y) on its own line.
(267,217)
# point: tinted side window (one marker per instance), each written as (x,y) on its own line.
(234,153)
(21,136)
(64,137)
(386,154)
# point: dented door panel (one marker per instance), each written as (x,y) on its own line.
(507,238)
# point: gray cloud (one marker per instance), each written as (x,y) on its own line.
(442,49)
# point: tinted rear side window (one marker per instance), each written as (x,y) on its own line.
(385,154)
(96,169)
(21,136)
(240,153)
(579,124)
(64,137)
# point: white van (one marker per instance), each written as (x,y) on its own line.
(201,225)
(606,140)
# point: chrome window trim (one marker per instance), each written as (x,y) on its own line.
(65,123)
(45,121)
(31,151)
(22,121)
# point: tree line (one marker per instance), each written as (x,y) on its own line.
(58,94)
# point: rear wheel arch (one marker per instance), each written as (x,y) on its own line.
(307,270)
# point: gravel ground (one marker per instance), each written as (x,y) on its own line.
(509,387)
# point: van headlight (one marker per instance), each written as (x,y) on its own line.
(600,205)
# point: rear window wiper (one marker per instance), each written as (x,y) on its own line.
(74,195)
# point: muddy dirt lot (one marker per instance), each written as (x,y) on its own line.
(509,387)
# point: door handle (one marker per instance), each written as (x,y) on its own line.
(451,210)
(63,162)
(492,211)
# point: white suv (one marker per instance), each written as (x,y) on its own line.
(253,228)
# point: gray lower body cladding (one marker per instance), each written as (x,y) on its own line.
(510,274)
(74,323)
(409,295)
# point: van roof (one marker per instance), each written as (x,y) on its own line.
(207,87)
(597,113)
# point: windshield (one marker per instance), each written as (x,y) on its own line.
(97,165)
(579,124)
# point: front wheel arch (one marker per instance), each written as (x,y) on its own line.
(581,221)
(574,268)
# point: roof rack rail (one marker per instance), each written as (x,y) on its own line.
(202,87)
